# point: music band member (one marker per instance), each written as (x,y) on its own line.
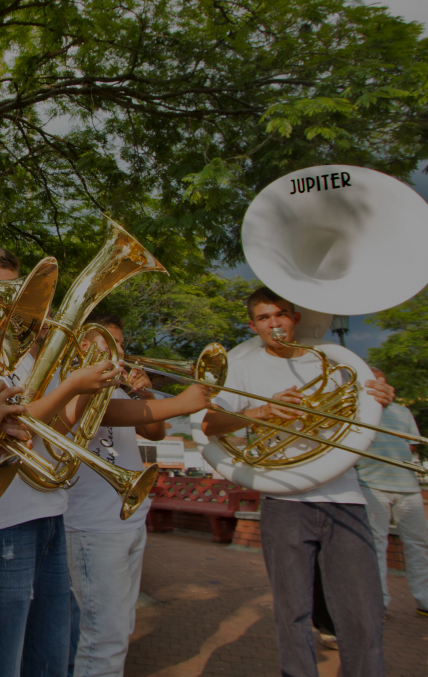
(105,553)
(328,522)
(395,492)
(34,578)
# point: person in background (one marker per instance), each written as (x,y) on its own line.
(106,553)
(394,493)
(34,578)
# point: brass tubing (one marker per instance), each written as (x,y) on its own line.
(336,417)
(269,400)
(314,438)
(127,483)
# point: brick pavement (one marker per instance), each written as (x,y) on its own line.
(206,611)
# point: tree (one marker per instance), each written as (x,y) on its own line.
(403,357)
(171,114)
(167,318)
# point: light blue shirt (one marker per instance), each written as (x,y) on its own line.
(387,477)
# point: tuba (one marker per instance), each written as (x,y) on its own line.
(121,257)
(24,304)
(334,239)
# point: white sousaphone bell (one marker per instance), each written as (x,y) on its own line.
(333,239)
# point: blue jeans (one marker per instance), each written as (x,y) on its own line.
(74,633)
(105,572)
(292,534)
(34,599)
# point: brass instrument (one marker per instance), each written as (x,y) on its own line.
(322,410)
(323,249)
(24,304)
(120,257)
(210,367)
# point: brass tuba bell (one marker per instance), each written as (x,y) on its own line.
(24,304)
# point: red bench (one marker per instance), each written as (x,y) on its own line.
(217,499)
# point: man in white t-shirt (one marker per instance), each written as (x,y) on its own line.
(328,522)
(106,553)
(34,578)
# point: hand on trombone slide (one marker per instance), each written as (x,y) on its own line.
(8,422)
(193,399)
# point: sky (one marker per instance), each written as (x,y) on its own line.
(361,335)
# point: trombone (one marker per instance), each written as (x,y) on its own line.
(188,372)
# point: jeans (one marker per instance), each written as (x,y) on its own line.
(105,572)
(74,633)
(321,618)
(292,533)
(34,599)
(407,510)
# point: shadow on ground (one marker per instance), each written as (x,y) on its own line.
(206,611)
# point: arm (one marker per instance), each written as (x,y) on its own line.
(137,413)
(86,380)
(138,381)
(220,422)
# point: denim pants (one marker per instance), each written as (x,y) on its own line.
(105,572)
(34,599)
(407,511)
(292,533)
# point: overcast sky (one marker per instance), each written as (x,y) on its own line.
(363,336)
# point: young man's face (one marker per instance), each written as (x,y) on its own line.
(6,274)
(117,334)
(269,315)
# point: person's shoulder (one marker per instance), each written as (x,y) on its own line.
(398,411)
(246,362)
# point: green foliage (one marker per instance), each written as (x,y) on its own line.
(171,114)
(403,357)
(172,319)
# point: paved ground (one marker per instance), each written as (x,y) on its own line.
(206,611)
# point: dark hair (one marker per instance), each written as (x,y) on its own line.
(8,260)
(104,321)
(265,295)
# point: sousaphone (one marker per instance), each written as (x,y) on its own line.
(334,239)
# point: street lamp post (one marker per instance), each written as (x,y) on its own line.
(340,326)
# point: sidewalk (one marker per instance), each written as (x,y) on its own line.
(206,611)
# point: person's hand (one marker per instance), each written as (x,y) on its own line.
(8,423)
(193,399)
(93,379)
(138,381)
(268,411)
(381,391)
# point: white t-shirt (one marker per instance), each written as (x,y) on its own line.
(264,374)
(21,503)
(93,504)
